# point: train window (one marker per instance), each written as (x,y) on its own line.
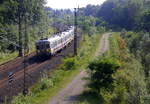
(52,45)
(55,43)
(47,46)
(59,41)
(37,47)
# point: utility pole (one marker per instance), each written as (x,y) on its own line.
(26,52)
(47,24)
(75,31)
(54,21)
(68,18)
(20,27)
(25,90)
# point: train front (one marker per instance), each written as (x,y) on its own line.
(43,47)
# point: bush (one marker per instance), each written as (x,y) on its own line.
(101,29)
(46,83)
(101,74)
(70,63)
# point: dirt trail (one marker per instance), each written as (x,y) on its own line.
(69,94)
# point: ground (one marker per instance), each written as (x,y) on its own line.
(69,94)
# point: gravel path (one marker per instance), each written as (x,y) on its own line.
(69,94)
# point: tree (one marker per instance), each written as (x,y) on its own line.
(101,74)
(23,13)
(121,13)
(145,22)
(91,10)
(28,10)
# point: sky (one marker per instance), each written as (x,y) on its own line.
(65,4)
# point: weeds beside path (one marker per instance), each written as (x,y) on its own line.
(69,94)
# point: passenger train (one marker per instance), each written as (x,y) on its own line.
(54,44)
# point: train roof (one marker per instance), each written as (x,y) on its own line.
(56,36)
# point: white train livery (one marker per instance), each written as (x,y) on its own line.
(52,45)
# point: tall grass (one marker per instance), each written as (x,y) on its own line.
(4,57)
(129,84)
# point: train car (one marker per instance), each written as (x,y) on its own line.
(54,44)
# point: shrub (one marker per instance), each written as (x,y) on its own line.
(101,29)
(70,63)
(46,83)
(101,74)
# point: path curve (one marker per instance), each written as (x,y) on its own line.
(76,87)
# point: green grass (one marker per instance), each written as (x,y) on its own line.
(129,85)
(130,78)
(4,57)
(114,47)
(43,91)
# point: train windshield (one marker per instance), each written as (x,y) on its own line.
(42,45)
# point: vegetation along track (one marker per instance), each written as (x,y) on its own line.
(74,89)
(34,71)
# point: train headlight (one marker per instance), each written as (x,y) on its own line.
(48,50)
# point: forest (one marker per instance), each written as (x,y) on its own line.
(22,22)
(132,19)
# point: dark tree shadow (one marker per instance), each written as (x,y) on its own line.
(90,97)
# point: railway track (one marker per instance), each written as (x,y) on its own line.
(13,65)
(34,69)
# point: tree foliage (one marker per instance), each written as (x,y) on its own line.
(17,14)
(145,21)
(121,13)
(21,19)
(101,74)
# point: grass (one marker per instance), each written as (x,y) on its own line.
(4,57)
(129,84)
(114,47)
(130,78)
(42,92)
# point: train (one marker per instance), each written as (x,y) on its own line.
(57,42)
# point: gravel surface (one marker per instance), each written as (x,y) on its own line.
(69,94)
